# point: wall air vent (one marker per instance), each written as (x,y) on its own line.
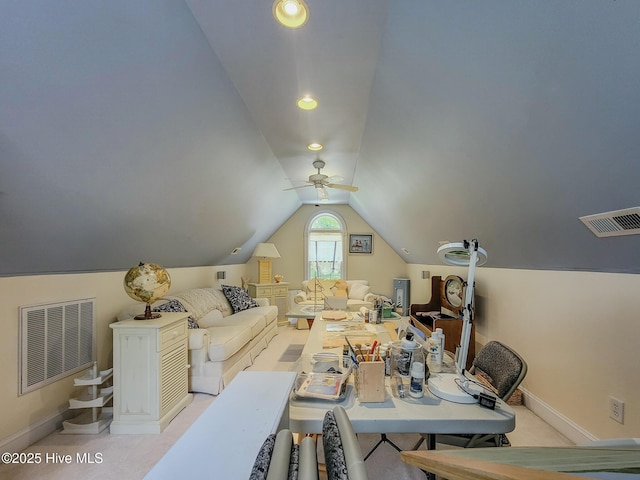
(614,224)
(56,340)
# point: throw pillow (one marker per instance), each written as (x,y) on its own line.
(263,459)
(326,286)
(238,298)
(358,291)
(335,461)
(341,288)
(176,306)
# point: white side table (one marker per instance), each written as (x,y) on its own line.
(150,373)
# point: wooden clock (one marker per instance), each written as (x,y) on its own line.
(452,294)
(447,294)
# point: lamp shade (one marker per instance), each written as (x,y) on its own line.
(266,250)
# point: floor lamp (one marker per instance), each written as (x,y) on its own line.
(456,387)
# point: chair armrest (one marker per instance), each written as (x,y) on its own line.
(263,302)
(308,463)
(300,297)
(198,338)
(370,297)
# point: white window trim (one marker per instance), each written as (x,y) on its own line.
(342,231)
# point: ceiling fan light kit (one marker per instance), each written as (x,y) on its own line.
(320,181)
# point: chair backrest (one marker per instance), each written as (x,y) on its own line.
(341,448)
(336,303)
(503,365)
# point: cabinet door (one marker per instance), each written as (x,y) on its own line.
(173,376)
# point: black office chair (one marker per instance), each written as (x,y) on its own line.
(504,369)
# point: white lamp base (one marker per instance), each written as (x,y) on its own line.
(446,386)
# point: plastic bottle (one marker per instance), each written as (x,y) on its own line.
(385,355)
(416,388)
(434,347)
(408,345)
(441,353)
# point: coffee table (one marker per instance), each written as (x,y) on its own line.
(308,313)
(428,414)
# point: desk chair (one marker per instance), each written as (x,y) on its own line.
(342,454)
(506,370)
(280,459)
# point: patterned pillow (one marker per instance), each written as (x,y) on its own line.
(176,306)
(263,459)
(333,450)
(238,298)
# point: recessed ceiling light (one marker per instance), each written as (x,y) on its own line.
(307,102)
(291,13)
(314,147)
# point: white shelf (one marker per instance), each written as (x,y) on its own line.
(90,379)
(87,400)
(84,423)
(97,417)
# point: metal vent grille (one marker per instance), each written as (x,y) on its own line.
(56,340)
(613,224)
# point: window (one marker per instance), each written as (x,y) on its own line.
(324,247)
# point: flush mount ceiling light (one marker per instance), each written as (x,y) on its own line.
(315,147)
(291,13)
(307,102)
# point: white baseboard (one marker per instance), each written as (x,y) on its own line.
(562,424)
(34,433)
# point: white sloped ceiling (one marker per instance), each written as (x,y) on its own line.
(167,131)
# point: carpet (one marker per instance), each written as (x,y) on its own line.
(292,353)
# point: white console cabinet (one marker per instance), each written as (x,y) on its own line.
(150,373)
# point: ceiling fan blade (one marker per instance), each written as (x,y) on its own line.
(295,188)
(334,178)
(342,187)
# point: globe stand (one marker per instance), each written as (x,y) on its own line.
(147,315)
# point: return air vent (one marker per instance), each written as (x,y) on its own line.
(56,340)
(614,224)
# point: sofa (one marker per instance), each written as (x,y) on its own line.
(358,292)
(225,336)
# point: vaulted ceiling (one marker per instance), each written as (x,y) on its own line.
(168,130)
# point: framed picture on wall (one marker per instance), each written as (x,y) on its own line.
(360,243)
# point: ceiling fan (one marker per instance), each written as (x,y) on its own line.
(320,181)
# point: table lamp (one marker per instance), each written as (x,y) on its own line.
(264,252)
(456,387)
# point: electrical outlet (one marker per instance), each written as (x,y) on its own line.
(616,409)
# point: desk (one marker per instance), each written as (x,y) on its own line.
(428,414)
(224,441)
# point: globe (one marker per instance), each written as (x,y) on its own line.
(147,282)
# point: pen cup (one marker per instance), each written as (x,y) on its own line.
(369,378)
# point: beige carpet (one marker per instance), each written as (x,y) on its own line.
(130,457)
